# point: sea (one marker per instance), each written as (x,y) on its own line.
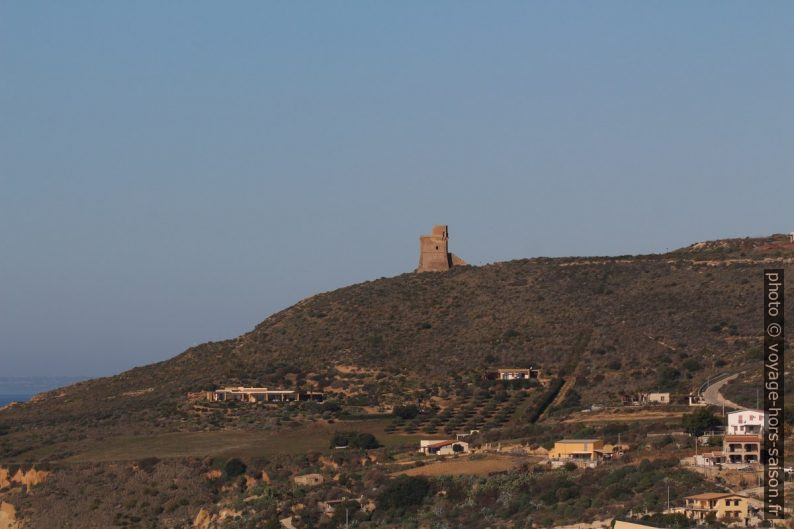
(5,399)
(21,389)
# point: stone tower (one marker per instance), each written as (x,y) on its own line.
(434,253)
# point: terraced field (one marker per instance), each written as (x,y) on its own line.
(472,409)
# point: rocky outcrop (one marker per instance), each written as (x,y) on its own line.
(203,520)
(8,516)
(31,478)
(206,520)
(28,479)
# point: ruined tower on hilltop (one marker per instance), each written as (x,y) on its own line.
(434,253)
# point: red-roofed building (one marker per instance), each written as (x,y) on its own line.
(742,449)
(443,447)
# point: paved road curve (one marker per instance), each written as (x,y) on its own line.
(713,396)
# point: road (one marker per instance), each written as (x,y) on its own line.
(713,396)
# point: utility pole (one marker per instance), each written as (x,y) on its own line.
(347,521)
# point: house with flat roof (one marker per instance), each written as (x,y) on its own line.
(726,507)
(658,398)
(644,399)
(585,452)
(514,373)
(308,480)
(745,422)
(253,395)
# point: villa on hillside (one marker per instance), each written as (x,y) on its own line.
(443,448)
(723,506)
(254,395)
(742,449)
(583,452)
(745,422)
(737,450)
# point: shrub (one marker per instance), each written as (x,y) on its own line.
(406,412)
(691,364)
(699,421)
(404,492)
(331,406)
(362,440)
(234,467)
(147,464)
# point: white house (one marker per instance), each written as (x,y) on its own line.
(745,422)
(443,447)
(791,236)
(517,373)
(245,394)
(658,398)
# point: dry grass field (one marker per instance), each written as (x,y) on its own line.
(629,416)
(467,466)
(226,443)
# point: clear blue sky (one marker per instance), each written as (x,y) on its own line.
(174,172)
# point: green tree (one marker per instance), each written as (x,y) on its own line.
(407,412)
(234,467)
(700,421)
(404,492)
(691,364)
(362,440)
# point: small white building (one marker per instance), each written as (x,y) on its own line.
(443,447)
(710,459)
(658,398)
(745,422)
(791,236)
(246,394)
(308,480)
(517,373)
(697,400)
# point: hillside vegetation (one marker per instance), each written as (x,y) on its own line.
(608,324)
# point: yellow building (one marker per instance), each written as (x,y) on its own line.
(724,506)
(577,449)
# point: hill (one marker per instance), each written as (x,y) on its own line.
(605,324)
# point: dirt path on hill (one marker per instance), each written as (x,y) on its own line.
(568,386)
